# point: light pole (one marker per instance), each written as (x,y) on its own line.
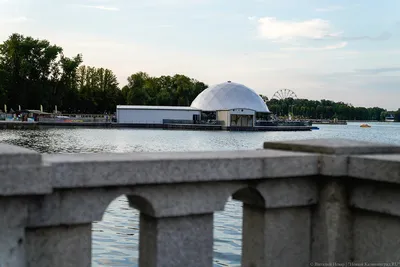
(291,114)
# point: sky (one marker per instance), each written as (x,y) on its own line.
(321,49)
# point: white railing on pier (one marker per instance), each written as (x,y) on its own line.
(74,120)
(314,201)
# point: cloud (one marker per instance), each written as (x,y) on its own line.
(329,9)
(165,26)
(102,7)
(252,18)
(338,36)
(174,3)
(13,20)
(328,47)
(382,37)
(273,29)
(378,70)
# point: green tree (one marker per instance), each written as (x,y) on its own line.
(98,90)
(325,109)
(397,115)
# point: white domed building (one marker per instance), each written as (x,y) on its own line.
(234,103)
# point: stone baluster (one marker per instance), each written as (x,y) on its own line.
(277,222)
(59,228)
(333,228)
(63,246)
(176,222)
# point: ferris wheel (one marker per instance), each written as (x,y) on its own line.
(284,94)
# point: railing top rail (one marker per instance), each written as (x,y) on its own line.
(92,170)
(13,156)
(336,146)
(28,172)
(384,168)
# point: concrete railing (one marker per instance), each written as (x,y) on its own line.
(318,201)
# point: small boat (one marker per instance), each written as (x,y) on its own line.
(390,118)
(365,126)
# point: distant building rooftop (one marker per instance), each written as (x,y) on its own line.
(156,107)
(228,96)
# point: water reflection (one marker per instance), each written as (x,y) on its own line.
(78,140)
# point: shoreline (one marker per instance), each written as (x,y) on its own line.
(113,125)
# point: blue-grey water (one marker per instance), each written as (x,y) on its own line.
(115,238)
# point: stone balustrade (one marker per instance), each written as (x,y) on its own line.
(313,201)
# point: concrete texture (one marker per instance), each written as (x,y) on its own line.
(66,207)
(13,217)
(14,156)
(333,146)
(381,198)
(61,246)
(12,249)
(376,238)
(32,180)
(275,237)
(331,226)
(94,170)
(176,241)
(280,193)
(182,199)
(333,165)
(376,167)
(319,201)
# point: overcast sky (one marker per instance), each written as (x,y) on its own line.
(339,50)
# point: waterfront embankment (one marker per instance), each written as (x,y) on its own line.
(204,127)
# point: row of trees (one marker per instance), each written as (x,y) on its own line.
(326,109)
(35,72)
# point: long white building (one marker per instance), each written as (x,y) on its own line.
(155,114)
(234,104)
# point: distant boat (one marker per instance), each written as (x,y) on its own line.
(389,118)
(365,126)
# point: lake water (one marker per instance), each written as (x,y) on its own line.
(115,238)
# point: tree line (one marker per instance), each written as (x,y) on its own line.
(327,109)
(34,72)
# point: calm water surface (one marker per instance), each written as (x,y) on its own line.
(115,238)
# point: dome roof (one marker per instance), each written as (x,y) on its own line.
(229,95)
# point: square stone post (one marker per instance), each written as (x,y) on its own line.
(12,249)
(275,237)
(61,246)
(22,175)
(277,222)
(176,222)
(13,216)
(334,224)
(59,231)
(176,241)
